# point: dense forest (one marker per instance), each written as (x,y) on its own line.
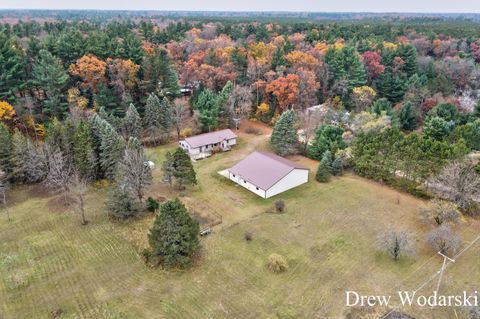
(396,99)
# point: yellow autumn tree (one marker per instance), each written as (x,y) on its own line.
(7,112)
(363,97)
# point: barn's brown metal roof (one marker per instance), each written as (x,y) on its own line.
(264,169)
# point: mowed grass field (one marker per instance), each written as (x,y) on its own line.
(50,264)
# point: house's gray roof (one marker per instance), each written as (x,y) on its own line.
(264,169)
(210,138)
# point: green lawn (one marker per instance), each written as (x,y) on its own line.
(49,262)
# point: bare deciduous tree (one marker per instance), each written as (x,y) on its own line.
(309,122)
(396,243)
(135,172)
(78,192)
(60,171)
(240,102)
(444,240)
(458,182)
(441,212)
(3,192)
(180,113)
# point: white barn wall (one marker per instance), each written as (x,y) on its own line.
(293,179)
(238,179)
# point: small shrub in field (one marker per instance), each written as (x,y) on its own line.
(248,236)
(152,205)
(279,206)
(253,131)
(277,263)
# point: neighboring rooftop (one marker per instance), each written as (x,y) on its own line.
(264,169)
(210,138)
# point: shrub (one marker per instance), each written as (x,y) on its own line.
(253,130)
(277,263)
(337,166)
(443,239)
(186,132)
(396,243)
(248,236)
(152,205)
(279,206)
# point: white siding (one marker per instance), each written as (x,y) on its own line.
(238,179)
(232,141)
(293,179)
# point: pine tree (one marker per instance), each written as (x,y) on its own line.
(109,146)
(391,87)
(407,118)
(50,76)
(207,105)
(337,166)
(151,119)
(436,128)
(122,204)
(165,120)
(324,170)
(183,169)
(284,137)
(132,123)
(11,68)
(6,151)
(174,235)
(327,138)
(84,149)
(408,53)
(168,169)
(158,69)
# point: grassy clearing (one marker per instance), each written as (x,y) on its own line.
(49,262)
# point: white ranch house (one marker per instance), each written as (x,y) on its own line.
(267,174)
(203,145)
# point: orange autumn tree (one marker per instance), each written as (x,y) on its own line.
(285,89)
(91,70)
(299,59)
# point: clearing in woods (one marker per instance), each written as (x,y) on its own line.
(50,266)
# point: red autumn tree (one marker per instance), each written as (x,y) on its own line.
(373,64)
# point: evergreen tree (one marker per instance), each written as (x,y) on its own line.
(225,113)
(183,169)
(407,118)
(391,87)
(132,123)
(174,235)
(337,166)
(84,149)
(158,69)
(131,48)
(327,138)
(284,137)
(382,105)
(50,76)
(168,169)
(408,53)
(122,204)
(151,119)
(11,69)
(323,171)
(346,64)
(436,128)
(165,117)
(6,151)
(109,146)
(207,106)
(105,99)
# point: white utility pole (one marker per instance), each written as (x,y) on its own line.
(444,265)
